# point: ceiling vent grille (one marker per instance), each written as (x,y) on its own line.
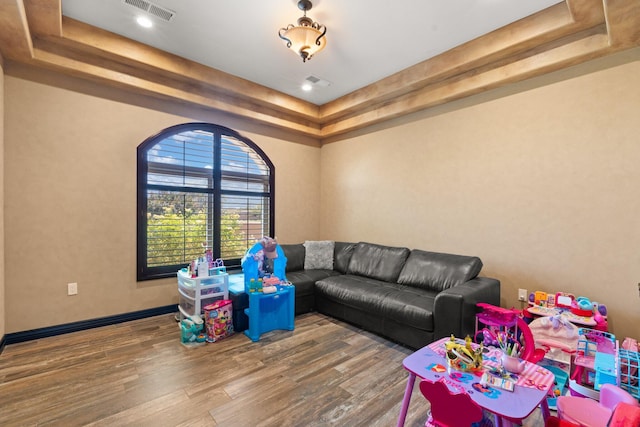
(153,9)
(317,81)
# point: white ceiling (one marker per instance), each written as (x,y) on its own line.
(367,40)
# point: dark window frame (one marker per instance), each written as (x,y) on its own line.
(214,192)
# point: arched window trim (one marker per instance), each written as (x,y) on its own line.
(216,191)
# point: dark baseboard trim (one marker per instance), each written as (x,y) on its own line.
(50,331)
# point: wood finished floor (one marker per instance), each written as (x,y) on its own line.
(324,373)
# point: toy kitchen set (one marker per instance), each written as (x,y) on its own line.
(579,311)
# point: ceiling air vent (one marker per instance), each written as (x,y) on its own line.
(317,81)
(153,9)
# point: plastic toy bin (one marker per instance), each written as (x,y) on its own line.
(218,320)
(630,371)
(190,306)
(203,286)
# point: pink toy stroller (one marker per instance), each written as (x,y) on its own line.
(497,326)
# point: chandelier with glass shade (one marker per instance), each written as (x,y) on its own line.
(308,37)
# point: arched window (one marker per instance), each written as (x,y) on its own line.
(200,185)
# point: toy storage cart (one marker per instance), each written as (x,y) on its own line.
(197,292)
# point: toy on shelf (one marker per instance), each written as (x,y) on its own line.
(580,311)
(504,328)
(205,265)
(595,363)
(544,304)
(582,307)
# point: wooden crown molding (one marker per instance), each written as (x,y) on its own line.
(35,32)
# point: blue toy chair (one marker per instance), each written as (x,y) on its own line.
(253,268)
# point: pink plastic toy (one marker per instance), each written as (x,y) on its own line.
(447,409)
(583,375)
(590,413)
(625,415)
(502,325)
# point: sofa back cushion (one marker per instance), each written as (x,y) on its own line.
(318,254)
(436,271)
(377,261)
(342,255)
(295,256)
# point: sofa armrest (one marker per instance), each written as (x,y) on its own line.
(455,308)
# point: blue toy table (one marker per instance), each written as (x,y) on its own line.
(267,312)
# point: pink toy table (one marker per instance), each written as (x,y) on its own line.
(532,385)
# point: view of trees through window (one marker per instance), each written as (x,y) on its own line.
(200,186)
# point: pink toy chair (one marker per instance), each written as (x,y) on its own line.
(590,413)
(625,415)
(447,409)
(557,422)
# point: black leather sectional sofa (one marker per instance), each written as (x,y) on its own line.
(410,296)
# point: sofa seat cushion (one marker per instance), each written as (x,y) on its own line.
(305,280)
(406,305)
(435,271)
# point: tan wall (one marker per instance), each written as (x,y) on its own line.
(2,243)
(71,202)
(543,185)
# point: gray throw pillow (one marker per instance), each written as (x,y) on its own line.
(318,254)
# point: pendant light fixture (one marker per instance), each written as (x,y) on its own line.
(307,38)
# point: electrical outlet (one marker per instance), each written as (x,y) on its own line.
(72,289)
(522,294)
